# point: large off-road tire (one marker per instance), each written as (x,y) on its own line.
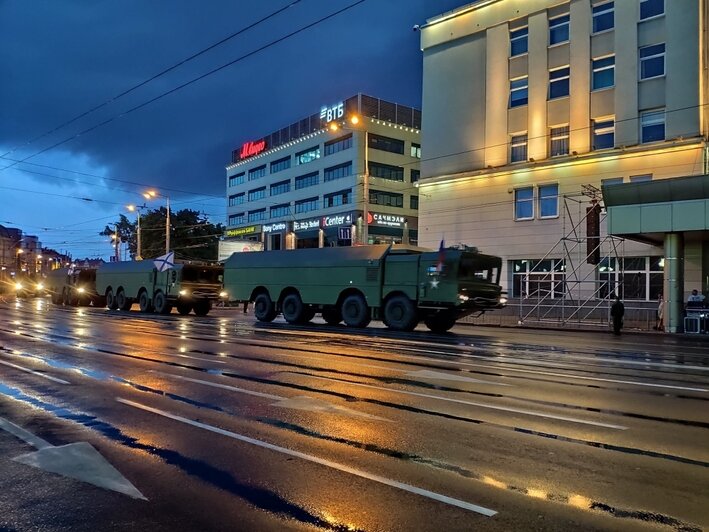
(332,315)
(161,304)
(56,298)
(111,302)
(400,313)
(440,322)
(355,311)
(202,308)
(123,302)
(264,309)
(184,308)
(144,302)
(293,309)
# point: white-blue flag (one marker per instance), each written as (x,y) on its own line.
(165,262)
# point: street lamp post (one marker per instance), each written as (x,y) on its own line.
(152,194)
(139,246)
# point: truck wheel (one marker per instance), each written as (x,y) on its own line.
(440,322)
(160,303)
(56,298)
(202,308)
(122,301)
(332,315)
(144,302)
(111,302)
(264,309)
(355,311)
(184,308)
(293,309)
(400,314)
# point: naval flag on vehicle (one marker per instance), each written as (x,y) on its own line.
(165,262)
(441,256)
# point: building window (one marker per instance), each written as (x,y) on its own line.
(652,126)
(257,193)
(337,145)
(280,164)
(558,83)
(236,219)
(603,17)
(643,178)
(342,197)
(518,41)
(538,278)
(611,181)
(386,171)
(258,215)
(255,173)
(237,179)
(603,133)
(306,205)
(519,91)
(236,199)
(337,172)
(414,202)
(415,150)
(391,199)
(524,203)
(280,188)
(651,8)
(278,211)
(307,180)
(652,61)
(558,29)
(548,201)
(559,141)
(415,175)
(603,72)
(378,142)
(638,278)
(307,156)
(518,148)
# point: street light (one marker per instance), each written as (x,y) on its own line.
(151,194)
(139,249)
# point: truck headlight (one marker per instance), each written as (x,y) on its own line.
(503,301)
(81,289)
(183,292)
(40,286)
(18,286)
(462,298)
(223,294)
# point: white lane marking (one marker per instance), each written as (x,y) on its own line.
(547,373)
(480,405)
(299,403)
(310,458)
(439,375)
(78,460)
(37,373)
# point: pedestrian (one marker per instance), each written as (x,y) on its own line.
(660,323)
(617,311)
(695,300)
(246,306)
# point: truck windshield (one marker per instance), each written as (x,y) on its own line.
(478,268)
(201,275)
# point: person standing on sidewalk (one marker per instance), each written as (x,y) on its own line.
(660,323)
(617,312)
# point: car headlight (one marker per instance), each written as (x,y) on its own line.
(81,289)
(183,292)
(503,300)
(18,286)
(40,286)
(223,294)
(463,298)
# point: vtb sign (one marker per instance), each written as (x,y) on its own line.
(249,149)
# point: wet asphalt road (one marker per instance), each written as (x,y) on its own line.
(225,424)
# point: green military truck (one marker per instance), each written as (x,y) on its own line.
(189,287)
(74,286)
(399,285)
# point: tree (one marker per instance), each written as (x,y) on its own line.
(192,236)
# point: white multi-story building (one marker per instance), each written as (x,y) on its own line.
(527,101)
(346,175)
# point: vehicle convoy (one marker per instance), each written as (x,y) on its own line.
(399,285)
(185,286)
(26,286)
(74,286)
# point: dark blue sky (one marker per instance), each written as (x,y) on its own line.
(60,59)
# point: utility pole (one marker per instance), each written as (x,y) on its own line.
(118,245)
(167,226)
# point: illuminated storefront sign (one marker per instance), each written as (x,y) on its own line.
(333,112)
(388,220)
(304,225)
(249,149)
(273,228)
(243,231)
(337,219)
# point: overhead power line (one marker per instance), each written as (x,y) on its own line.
(154,77)
(190,82)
